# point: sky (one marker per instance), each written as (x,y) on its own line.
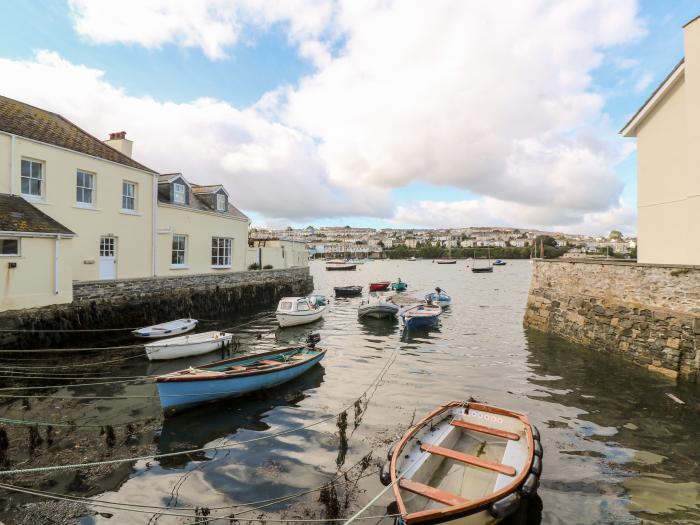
(376,113)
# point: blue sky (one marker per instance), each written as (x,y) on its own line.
(268,56)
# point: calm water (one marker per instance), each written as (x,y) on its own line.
(617,448)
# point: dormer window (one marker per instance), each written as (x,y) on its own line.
(179,195)
(220,202)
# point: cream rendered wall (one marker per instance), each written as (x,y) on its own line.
(133,231)
(200,227)
(280,254)
(31,283)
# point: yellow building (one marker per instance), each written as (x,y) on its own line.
(667,128)
(128,221)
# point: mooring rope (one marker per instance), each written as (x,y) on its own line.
(196,450)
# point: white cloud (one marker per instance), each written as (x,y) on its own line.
(643,82)
(268,167)
(495,99)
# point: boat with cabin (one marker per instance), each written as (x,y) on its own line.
(464,463)
(377,307)
(421,316)
(187,345)
(295,311)
(169,329)
(235,377)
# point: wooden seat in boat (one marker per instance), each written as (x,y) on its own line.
(268,362)
(446,498)
(236,369)
(485,430)
(468,458)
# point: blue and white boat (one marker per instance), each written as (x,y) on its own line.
(169,329)
(438,297)
(235,377)
(499,262)
(421,316)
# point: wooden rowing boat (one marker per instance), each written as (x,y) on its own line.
(187,345)
(347,291)
(379,286)
(421,316)
(169,329)
(464,463)
(235,377)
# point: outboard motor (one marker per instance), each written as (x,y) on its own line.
(313,340)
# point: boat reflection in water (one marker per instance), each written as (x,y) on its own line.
(226,418)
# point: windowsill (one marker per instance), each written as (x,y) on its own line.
(33,198)
(223,267)
(179,267)
(130,212)
(16,255)
(90,207)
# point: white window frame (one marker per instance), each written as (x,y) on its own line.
(221,252)
(179,250)
(221,202)
(41,179)
(133,196)
(19,247)
(92,188)
(176,193)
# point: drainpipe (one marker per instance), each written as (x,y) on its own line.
(154,220)
(57,253)
(13,142)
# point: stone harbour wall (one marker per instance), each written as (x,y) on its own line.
(138,302)
(649,314)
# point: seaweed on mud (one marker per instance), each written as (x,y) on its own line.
(342,423)
(328,497)
(35,439)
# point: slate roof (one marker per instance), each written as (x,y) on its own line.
(38,124)
(196,203)
(18,215)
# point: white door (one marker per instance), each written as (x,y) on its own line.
(108,258)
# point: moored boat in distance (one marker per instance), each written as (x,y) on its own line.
(421,316)
(377,307)
(295,311)
(499,262)
(487,269)
(235,377)
(169,329)
(399,285)
(464,463)
(379,286)
(187,345)
(446,261)
(339,265)
(347,291)
(411,258)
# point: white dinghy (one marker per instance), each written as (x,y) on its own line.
(169,329)
(187,345)
(377,307)
(294,311)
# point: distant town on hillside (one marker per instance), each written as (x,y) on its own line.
(332,241)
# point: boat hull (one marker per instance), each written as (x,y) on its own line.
(378,311)
(399,287)
(153,332)
(379,287)
(348,291)
(299,318)
(177,351)
(341,267)
(180,395)
(482,270)
(420,322)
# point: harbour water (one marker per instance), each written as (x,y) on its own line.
(618,448)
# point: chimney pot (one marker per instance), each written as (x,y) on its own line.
(117,135)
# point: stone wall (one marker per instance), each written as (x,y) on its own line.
(650,314)
(138,302)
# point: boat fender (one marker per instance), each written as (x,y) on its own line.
(505,506)
(535,433)
(385,474)
(529,488)
(536,466)
(390,451)
(538,449)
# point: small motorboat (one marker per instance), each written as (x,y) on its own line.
(399,286)
(169,329)
(446,261)
(187,345)
(412,259)
(377,307)
(318,299)
(235,377)
(379,286)
(295,311)
(466,463)
(347,291)
(340,266)
(421,316)
(499,262)
(438,297)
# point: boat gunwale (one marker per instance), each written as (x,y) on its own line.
(169,342)
(442,513)
(169,378)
